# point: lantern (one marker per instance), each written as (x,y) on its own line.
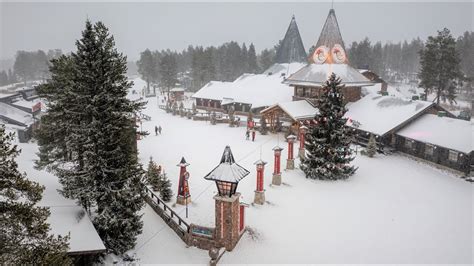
(227,174)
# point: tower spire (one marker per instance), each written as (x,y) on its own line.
(291,48)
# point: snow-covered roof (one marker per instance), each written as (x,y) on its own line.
(380,114)
(297,110)
(291,48)
(6,95)
(317,74)
(228,170)
(447,132)
(330,34)
(27,104)
(74,221)
(214,90)
(176,90)
(15,114)
(258,90)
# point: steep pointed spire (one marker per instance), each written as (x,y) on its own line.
(291,48)
(330,46)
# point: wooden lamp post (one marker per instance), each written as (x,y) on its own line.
(183,197)
(260,192)
(276,178)
(290,162)
(229,213)
(301,151)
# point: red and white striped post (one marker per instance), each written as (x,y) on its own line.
(183,197)
(260,192)
(276,179)
(301,151)
(290,162)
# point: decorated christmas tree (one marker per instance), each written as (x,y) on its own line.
(165,189)
(328,142)
(24,233)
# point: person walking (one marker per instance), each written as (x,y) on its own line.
(156,131)
(247,135)
(159,129)
(253,134)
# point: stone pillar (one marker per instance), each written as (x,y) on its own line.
(259,191)
(290,162)
(276,178)
(227,232)
(301,151)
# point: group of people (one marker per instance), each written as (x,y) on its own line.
(250,129)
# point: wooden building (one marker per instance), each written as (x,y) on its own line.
(255,92)
(328,57)
(383,116)
(442,140)
(289,116)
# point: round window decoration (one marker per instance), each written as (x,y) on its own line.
(338,54)
(321,54)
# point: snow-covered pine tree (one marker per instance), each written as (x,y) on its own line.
(110,158)
(263,126)
(24,232)
(100,168)
(63,131)
(181,109)
(328,142)
(153,175)
(440,67)
(231,113)
(371,146)
(165,190)
(213,118)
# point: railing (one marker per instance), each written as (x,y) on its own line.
(171,218)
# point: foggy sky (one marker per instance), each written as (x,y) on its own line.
(137,26)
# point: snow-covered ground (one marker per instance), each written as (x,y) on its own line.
(393,210)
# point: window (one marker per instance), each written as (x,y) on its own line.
(408,143)
(299,92)
(429,149)
(307,92)
(453,156)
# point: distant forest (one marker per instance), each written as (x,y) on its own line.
(197,65)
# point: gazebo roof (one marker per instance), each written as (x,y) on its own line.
(228,170)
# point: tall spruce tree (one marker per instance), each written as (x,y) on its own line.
(24,232)
(99,165)
(328,142)
(440,67)
(147,67)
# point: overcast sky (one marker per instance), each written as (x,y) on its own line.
(137,26)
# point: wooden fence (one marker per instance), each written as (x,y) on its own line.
(171,218)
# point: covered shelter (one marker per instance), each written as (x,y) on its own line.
(292,113)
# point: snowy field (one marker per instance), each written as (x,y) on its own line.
(393,210)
